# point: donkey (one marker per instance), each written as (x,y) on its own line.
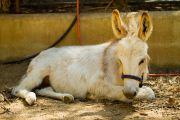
(113,70)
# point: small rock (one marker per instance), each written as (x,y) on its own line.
(1,98)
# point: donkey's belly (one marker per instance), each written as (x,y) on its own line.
(73,86)
(77,90)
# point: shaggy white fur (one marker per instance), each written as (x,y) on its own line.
(93,71)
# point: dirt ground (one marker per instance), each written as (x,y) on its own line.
(166,106)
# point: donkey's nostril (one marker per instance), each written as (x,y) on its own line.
(130,95)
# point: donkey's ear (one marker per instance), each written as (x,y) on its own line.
(145,26)
(117,25)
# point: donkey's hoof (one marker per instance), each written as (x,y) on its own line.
(149,93)
(68,98)
(145,93)
(30,98)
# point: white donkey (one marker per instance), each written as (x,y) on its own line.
(113,70)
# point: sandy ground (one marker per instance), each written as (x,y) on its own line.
(166,106)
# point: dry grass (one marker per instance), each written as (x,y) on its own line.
(165,106)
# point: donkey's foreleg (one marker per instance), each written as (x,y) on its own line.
(29,82)
(116,93)
(49,92)
(145,93)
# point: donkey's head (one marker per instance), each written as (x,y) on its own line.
(131,47)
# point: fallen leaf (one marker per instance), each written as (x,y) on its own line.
(171,100)
(144,114)
(1,98)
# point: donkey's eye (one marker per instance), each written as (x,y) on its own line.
(142,61)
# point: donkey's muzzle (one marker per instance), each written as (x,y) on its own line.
(130,94)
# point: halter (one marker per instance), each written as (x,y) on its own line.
(140,79)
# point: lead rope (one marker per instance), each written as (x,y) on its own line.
(54,44)
(165,74)
(76,19)
(78,23)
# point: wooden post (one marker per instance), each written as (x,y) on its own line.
(17,4)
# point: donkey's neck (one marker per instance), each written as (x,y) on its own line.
(110,66)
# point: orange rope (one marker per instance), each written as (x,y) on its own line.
(158,75)
(78,23)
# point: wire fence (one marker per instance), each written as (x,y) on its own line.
(61,6)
